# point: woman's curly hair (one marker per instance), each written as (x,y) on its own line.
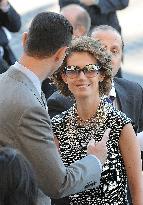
(93,47)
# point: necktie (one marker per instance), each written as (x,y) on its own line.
(110,99)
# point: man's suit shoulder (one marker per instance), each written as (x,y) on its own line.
(124,83)
(23,96)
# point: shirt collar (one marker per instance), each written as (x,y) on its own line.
(113,91)
(35,80)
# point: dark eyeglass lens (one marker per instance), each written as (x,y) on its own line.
(71,71)
(92,67)
(88,70)
(91,70)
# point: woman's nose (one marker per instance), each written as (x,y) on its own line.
(82,74)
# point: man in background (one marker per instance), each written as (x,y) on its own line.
(78,17)
(102,12)
(128,96)
(9,22)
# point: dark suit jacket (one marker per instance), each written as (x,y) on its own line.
(3,66)
(129,96)
(11,20)
(103,13)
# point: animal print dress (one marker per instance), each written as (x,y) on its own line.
(73,139)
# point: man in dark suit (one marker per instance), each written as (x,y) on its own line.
(78,17)
(24,120)
(101,11)
(128,96)
(10,20)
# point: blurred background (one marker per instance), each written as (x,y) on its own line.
(130,21)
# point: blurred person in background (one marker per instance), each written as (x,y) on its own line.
(10,21)
(102,12)
(128,96)
(17,179)
(79,19)
(81,22)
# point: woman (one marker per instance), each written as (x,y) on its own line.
(17,181)
(86,75)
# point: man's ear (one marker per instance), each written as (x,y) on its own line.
(24,38)
(80,31)
(60,54)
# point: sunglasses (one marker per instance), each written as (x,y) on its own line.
(89,71)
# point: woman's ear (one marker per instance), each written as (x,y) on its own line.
(101,78)
(64,77)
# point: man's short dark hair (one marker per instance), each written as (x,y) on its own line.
(48,32)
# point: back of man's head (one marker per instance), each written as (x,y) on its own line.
(48,32)
(78,17)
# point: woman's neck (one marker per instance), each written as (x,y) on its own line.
(86,108)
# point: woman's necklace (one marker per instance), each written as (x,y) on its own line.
(97,119)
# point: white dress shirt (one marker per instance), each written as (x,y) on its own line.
(140,137)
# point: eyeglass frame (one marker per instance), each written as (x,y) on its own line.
(85,70)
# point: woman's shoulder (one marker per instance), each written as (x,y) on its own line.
(118,117)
